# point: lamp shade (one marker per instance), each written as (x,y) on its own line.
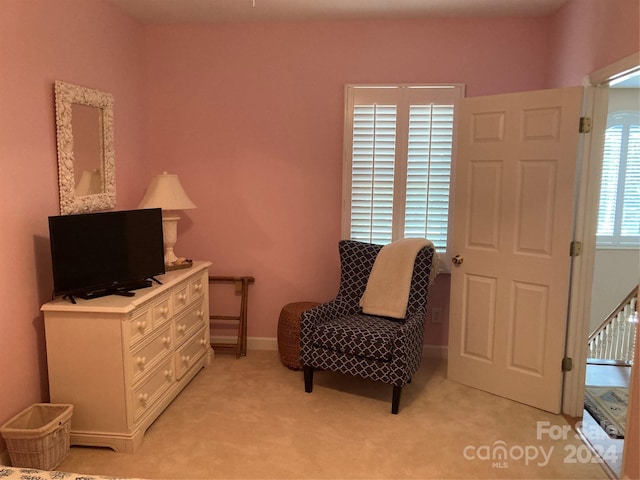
(166,192)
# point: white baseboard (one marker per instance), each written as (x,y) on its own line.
(269,343)
(436,351)
(262,343)
(253,343)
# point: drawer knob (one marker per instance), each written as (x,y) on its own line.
(186,358)
(143,397)
(141,324)
(182,328)
(203,342)
(200,314)
(168,374)
(198,287)
(164,311)
(141,361)
(182,297)
(166,341)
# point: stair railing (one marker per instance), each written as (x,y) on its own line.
(614,339)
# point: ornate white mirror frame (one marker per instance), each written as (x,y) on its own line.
(74,199)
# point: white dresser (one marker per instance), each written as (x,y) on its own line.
(121,360)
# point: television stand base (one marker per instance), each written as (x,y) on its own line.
(70,298)
(123,289)
(124,293)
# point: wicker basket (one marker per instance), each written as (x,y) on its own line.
(289,333)
(38,437)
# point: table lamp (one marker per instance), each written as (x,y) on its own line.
(166,192)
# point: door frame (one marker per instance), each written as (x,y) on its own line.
(595,104)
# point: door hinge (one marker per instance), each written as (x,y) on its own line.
(575,249)
(567,364)
(585,125)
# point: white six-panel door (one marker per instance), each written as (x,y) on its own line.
(512,229)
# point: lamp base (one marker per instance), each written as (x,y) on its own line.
(170,236)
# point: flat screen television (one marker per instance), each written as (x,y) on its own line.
(97,254)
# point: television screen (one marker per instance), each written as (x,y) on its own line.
(95,254)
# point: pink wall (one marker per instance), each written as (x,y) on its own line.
(251,115)
(590,34)
(87,43)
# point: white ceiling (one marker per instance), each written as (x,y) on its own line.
(207,11)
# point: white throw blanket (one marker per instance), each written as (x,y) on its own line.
(387,292)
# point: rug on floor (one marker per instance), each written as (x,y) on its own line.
(608,406)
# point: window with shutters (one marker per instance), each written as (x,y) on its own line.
(397,162)
(619,212)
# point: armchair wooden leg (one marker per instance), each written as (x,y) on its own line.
(308,379)
(395,402)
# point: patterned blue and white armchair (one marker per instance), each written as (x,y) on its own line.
(337,336)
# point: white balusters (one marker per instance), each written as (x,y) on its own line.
(614,339)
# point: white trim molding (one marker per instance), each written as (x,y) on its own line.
(595,105)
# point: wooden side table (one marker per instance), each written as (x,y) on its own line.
(242,288)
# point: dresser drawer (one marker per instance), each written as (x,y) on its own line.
(146,356)
(152,388)
(196,289)
(148,317)
(162,311)
(180,297)
(140,324)
(188,323)
(190,353)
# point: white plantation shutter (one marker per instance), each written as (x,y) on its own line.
(619,212)
(609,182)
(630,225)
(428,173)
(398,155)
(372,170)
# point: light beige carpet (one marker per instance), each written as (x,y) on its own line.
(251,419)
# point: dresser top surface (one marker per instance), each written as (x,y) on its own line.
(122,304)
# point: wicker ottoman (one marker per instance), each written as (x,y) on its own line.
(289,333)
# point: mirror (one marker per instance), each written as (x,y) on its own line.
(86,166)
